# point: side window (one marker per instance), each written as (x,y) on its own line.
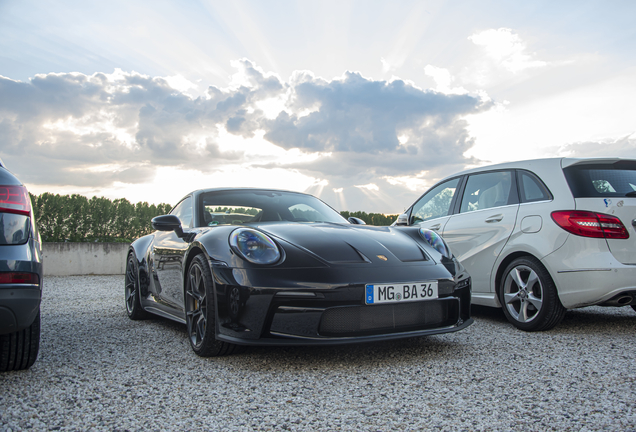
(183,211)
(531,188)
(435,203)
(486,190)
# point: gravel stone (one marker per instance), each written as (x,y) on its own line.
(98,370)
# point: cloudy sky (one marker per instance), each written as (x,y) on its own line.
(362,103)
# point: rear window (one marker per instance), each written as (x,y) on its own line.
(615,180)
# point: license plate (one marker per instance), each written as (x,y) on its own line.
(400,292)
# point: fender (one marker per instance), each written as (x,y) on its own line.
(140,249)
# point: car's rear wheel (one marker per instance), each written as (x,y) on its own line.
(132,295)
(529,296)
(200,311)
(19,350)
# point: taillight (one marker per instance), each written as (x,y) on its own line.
(19,278)
(15,199)
(590,224)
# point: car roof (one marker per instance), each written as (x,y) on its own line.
(1,163)
(229,189)
(560,162)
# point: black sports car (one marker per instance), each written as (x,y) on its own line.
(270,267)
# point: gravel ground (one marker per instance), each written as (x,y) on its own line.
(97,370)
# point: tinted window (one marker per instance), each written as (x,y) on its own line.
(246,206)
(487,190)
(435,203)
(183,211)
(588,181)
(531,188)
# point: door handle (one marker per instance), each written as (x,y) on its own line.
(495,218)
(436,227)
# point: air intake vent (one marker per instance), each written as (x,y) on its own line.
(379,319)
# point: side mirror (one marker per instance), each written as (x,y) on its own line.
(402,220)
(356,221)
(168,223)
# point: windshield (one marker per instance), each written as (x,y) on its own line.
(239,207)
(589,181)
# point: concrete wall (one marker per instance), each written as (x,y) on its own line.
(66,259)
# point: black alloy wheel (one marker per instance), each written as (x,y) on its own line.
(200,311)
(529,296)
(132,295)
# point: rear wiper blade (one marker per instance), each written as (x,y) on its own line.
(631,194)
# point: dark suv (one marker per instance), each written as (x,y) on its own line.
(20,276)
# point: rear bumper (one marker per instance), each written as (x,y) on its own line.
(586,273)
(19,305)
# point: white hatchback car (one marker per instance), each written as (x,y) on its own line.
(539,236)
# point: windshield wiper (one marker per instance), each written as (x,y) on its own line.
(631,194)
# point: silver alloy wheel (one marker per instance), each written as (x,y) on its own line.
(131,285)
(523,293)
(196,305)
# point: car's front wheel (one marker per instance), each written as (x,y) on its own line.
(529,296)
(200,311)
(19,350)
(132,296)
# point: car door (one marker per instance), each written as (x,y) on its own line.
(478,232)
(167,255)
(433,209)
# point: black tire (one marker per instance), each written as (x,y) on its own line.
(529,296)
(634,307)
(201,311)
(19,350)
(132,296)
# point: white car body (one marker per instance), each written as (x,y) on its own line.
(586,271)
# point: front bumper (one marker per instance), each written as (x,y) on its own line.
(331,314)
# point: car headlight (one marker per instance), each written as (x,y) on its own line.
(436,240)
(254,246)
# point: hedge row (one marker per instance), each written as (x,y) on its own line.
(377,219)
(76,218)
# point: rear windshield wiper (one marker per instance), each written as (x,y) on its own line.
(631,194)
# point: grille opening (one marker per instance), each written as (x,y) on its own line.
(389,318)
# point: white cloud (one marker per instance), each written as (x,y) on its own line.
(178,82)
(443,80)
(112,131)
(418,182)
(506,49)
(601,113)
(369,187)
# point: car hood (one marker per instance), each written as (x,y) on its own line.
(335,243)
